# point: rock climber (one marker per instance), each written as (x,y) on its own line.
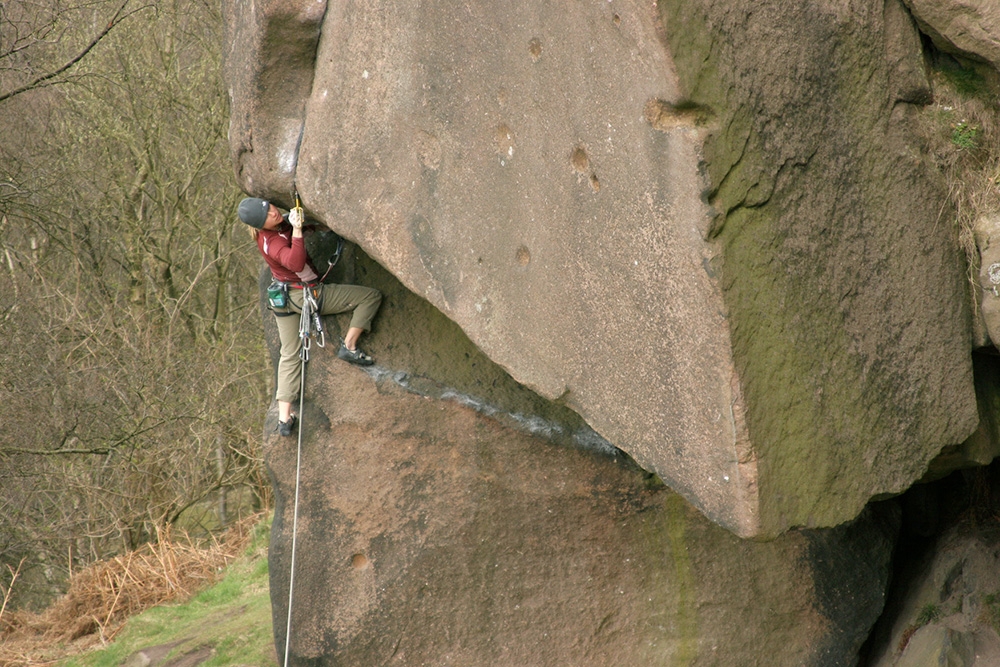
(280,240)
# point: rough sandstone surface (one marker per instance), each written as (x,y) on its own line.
(531,180)
(730,261)
(948,612)
(987,234)
(552,209)
(734,263)
(969,28)
(432,535)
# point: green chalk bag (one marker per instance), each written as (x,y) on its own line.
(277,295)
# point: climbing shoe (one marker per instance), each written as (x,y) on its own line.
(355,356)
(286,428)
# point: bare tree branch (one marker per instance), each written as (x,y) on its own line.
(51,452)
(122,183)
(39,82)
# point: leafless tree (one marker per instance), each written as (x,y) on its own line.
(39,39)
(132,368)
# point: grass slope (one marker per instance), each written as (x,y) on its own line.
(230,623)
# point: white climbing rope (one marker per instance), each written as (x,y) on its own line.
(310,315)
(295,506)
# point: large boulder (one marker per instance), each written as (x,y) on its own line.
(569,253)
(430,534)
(730,260)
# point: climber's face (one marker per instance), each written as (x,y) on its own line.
(273,217)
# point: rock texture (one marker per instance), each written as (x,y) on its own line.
(949,612)
(553,211)
(939,645)
(730,261)
(987,234)
(431,534)
(269,61)
(969,28)
(981,447)
(845,291)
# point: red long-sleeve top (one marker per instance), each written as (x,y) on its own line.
(286,255)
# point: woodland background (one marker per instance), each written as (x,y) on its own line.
(133,378)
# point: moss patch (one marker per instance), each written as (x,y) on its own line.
(832,229)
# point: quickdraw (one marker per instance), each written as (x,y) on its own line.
(310,320)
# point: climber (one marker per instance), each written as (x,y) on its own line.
(280,240)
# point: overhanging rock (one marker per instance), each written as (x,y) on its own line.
(548,177)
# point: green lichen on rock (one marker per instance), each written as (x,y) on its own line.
(841,269)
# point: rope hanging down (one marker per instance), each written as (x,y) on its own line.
(309,318)
(295,512)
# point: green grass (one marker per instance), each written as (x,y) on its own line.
(964,135)
(991,610)
(232,617)
(966,80)
(928,614)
